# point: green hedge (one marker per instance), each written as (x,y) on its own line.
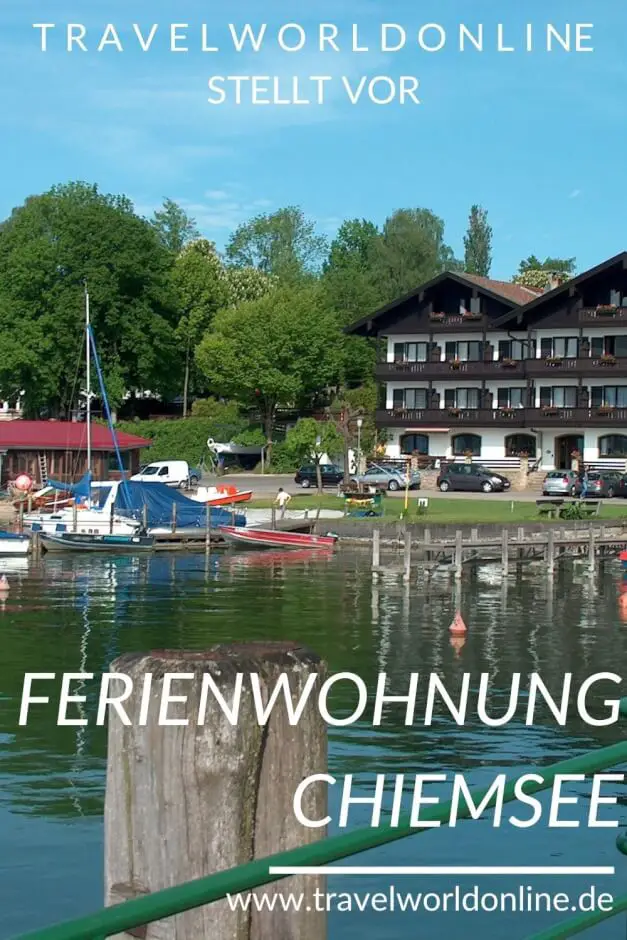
(183,438)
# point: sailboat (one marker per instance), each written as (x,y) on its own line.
(93,506)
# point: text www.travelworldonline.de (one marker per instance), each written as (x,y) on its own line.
(524,899)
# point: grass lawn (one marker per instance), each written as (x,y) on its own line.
(448,510)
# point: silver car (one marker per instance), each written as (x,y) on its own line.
(561,483)
(388,477)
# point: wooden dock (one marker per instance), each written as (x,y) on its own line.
(551,547)
(195,539)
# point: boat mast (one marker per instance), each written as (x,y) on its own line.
(88,377)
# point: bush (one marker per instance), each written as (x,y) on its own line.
(182,438)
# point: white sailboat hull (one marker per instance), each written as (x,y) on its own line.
(14,546)
(88,522)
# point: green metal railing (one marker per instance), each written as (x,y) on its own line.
(162,904)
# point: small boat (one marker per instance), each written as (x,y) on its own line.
(77,541)
(12,543)
(224,495)
(272,538)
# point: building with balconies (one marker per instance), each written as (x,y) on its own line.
(470,366)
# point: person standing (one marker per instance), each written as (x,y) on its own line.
(282,499)
(584,483)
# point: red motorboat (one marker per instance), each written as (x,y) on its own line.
(273,538)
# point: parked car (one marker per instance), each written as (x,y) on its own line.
(330,473)
(621,486)
(170,472)
(471,477)
(603,483)
(389,477)
(562,483)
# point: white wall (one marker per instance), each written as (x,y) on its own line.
(492,441)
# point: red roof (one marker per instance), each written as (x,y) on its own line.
(514,292)
(63,435)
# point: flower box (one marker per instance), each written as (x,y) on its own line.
(453,412)
(549,410)
(553,360)
(508,363)
(606,310)
(506,412)
(468,315)
(454,363)
(606,410)
(436,316)
(607,360)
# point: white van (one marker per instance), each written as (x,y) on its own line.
(170,472)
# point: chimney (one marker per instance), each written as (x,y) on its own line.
(554,280)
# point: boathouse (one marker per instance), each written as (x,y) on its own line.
(58,449)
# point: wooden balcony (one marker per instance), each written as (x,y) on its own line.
(575,417)
(457,321)
(595,368)
(602,316)
(421,371)
(445,418)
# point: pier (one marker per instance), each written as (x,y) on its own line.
(424,555)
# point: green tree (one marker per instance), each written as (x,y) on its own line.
(201,290)
(49,248)
(478,243)
(411,250)
(174,227)
(539,274)
(349,406)
(246,284)
(272,351)
(311,440)
(282,243)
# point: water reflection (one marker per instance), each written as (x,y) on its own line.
(78,614)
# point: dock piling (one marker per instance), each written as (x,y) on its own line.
(407,557)
(591,551)
(459,553)
(173,517)
(220,794)
(550,552)
(504,551)
(376,537)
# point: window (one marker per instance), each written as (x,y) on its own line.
(517,444)
(609,346)
(410,352)
(511,397)
(112,461)
(163,472)
(615,298)
(512,349)
(475,305)
(613,445)
(612,396)
(415,443)
(461,398)
(467,352)
(409,398)
(150,470)
(464,443)
(566,347)
(558,397)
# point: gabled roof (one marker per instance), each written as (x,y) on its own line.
(514,295)
(564,288)
(63,435)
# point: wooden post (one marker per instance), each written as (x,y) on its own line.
(173,517)
(427,540)
(74,517)
(407,556)
(550,552)
(208,530)
(215,795)
(21,516)
(504,550)
(591,550)
(273,518)
(111,514)
(376,538)
(474,535)
(145,517)
(458,554)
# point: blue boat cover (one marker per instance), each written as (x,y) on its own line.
(80,489)
(159,499)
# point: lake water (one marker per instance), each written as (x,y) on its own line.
(77,614)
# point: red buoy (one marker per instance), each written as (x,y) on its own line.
(458,627)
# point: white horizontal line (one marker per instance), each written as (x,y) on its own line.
(444,870)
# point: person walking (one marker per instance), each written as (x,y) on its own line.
(584,483)
(282,499)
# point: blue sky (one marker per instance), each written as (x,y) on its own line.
(538,139)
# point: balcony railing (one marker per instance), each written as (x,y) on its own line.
(457,321)
(397,371)
(603,314)
(449,417)
(503,417)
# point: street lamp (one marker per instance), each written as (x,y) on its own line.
(360,421)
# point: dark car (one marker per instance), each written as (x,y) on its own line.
(471,478)
(331,475)
(621,486)
(603,483)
